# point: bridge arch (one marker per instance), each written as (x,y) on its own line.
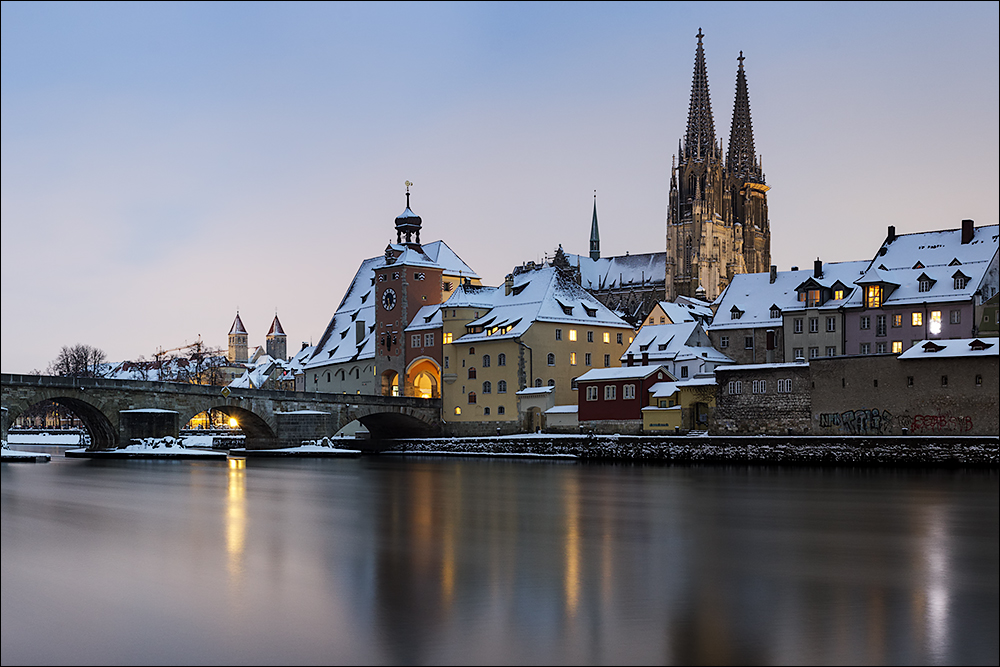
(101,423)
(384,424)
(259,434)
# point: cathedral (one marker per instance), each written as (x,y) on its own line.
(717,223)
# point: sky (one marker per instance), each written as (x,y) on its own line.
(167,164)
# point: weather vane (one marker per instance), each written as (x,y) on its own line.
(408,184)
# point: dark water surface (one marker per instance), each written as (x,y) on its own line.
(415,560)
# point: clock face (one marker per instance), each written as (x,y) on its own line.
(389,299)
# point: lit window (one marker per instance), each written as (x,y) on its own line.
(935,327)
(446,338)
(572,358)
(813,298)
(917,319)
(897,320)
(837,296)
(897,346)
(873,296)
(458,410)
(607,337)
(572,335)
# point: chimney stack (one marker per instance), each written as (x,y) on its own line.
(818,268)
(508,284)
(891,236)
(774,273)
(968,231)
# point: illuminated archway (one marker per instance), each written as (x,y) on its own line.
(390,383)
(423,378)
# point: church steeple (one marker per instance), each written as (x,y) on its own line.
(742,160)
(595,237)
(408,223)
(699,141)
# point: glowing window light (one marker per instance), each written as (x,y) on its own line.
(935,327)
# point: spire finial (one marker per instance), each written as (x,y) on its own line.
(741,59)
(699,36)
(408,184)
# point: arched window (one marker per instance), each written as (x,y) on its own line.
(486,361)
(472,350)
(501,410)
(472,397)
(328,376)
(487,387)
(340,374)
(356,373)
(551,359)
(502,387)
(486,411)
(552,382)
(458,410)
(538,382)
(472,373)
(501,359)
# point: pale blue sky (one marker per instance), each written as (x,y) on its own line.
(166,164)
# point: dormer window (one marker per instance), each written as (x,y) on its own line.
(813,298)
(961,280)
(838,294)
(873,296)
(925,285)
(735,313)
(775,312)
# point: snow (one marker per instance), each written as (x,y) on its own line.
(303,412)
(754,367)
(152,448)
(8,454)
(623,270)
(157,410)
(562,409)
(623,373)
(529,391)
(961,347)
(43,438)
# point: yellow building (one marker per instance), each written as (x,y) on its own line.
(539,329)
(680,406)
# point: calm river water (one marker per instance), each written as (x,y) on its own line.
(409,560)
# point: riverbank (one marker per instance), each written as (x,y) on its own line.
(976,451)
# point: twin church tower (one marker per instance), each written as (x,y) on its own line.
(717,224)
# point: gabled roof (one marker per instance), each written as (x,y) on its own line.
(276,329)
(237,327)
(622,271)
(430,255)
(624,373)
(666,342)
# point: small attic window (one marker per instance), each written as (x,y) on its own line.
(331,353)
(343,334)
(775,312)
(961,280)
(925,283)
(735,313)
(354,315)
(661,347)
(979,345)
(931,346)
(643,348)
(591,312)
(918,265)
(955,262)
(520,288)
(447,285)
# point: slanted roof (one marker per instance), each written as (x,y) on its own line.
(622,271)
(952,347)
(276,329)
(624,373)
(237,327)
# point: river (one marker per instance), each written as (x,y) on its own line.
(421,560)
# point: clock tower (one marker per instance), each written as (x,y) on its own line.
(406,280)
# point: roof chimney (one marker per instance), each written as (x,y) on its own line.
(508,284)
(795,268)
(774,273)
(891,236)
(968,231)
(818,268)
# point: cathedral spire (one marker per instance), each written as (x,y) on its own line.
(742,161)
(595,237)
(700,138)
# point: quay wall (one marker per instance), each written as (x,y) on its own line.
(978,451)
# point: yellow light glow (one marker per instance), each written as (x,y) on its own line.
(233,423)
(607,337)
(572,335)
(935,327)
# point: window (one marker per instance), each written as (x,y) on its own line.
(684,371)
(935,325)
(607,360)
(428,339)
(501,410)
(501,359)
(814,353)
(586,359)
(472,372)
(865,348)
(979,380)
(418,276)
(472,350)
(748,342)
(925,285)
(873,296)
(446,362)
(724,341)
(590,336)
(880,347)
(572,358)
(735,387)
(551,359)
(960,282)
(797,353)
(831,351)
(917,319)
(909,380)
(415,340)
(572,335)
(458,410)
(619,339)
(775,313)
(651,320)
(785,386)
(502,387)
(880,325)
(609,392)
(446,338)
(487,387)
(607,337)
(956,317)
(472,397)
(838,294)
(628,392)
(866,322)
(663,320)
(831,324)
(592,393)
(552,382)
(538,382)
(797,325)
(897,320)
(944,380)
(813,325)
(759,386)
(486,411)
(486,361)
(558,334)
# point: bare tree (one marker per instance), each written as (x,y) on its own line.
(79,361)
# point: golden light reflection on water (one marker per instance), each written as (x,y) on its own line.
(236,519)
(571,582)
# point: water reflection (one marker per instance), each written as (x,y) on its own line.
(236,520)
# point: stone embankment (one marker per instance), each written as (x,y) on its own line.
(973,451)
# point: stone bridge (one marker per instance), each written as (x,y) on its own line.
(118,411)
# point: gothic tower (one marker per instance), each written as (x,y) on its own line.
(277,341)
(748,191)
(595,237)
(237,342)
(717,214)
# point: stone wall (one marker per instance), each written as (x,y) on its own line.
(768,412)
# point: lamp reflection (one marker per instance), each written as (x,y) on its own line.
(236,519)
(571,582)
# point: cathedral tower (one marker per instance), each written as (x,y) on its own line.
(237,342)
(717,213)
(277,347)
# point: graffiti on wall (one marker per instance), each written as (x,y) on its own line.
(858,422)
(881,422)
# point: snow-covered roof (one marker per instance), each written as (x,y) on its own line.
(531,391)
(934,258)
(665,342)
(748,301)
(686,312)
(621,271)
(562,409)
(543,295)
(432,255)
(955,347)
(666,389)
(237,327)
(623,373)
(757,367)
(276,329)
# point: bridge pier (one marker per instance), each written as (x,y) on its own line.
(147,423)
(298,426)
(3,424)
